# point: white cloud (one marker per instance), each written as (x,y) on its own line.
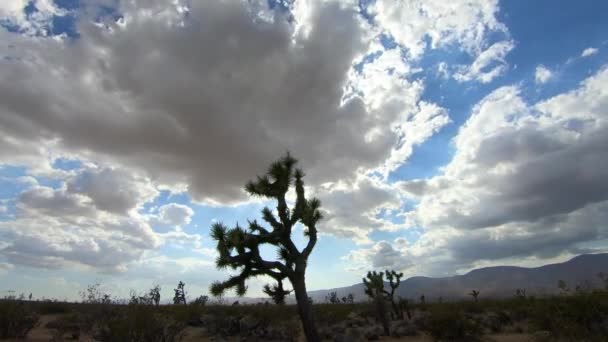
(410,23)
(508,192)
(354,211)
(99,98)
(542,74)
(589,52)
(382,255)
(36,23)
(175,214)
(4,268)
(71,225)
(488,65)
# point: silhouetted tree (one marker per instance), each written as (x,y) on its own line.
(180,294)
(374,288)
(276,292)
(350,298)
(520,293)
(155,294)
(332,298)
(240,249)
(394,279)
(474,294)
(201,300)
(422,299)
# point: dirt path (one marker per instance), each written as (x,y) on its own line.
(40,332)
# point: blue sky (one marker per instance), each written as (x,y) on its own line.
(426,130)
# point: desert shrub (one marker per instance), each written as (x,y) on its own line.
(51,308)
(332,314)
(450,324)
(139,323)
(16,319)
(575,317)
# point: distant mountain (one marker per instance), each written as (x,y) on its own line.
(495,282)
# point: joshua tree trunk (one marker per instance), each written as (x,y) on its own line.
(398,312)
(305,308)
(381,313)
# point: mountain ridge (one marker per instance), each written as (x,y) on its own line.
(493,281)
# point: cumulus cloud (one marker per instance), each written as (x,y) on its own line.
(59,227)
(354,212)
(188,129)
(488,65)
(103,97)
(413,23)
(175,214)
(526,180)
(36,22)
(542,74)
(589,52)
(382,255)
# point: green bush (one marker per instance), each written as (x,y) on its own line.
(139,323)
(449,324)
(16,319)
(51,308)
(582,316)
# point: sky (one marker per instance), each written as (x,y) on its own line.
(439,136)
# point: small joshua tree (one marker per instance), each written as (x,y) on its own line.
(422,299)
(350,298)
(240,249)
(394,279)
(277,292)
(332,298)
(155,294)
(180,294)
(520,293)
(374,288)
(474,294)
(201,300)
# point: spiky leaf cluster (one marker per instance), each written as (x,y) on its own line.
(394,280)
(374,284)
(239,249)
(277,292)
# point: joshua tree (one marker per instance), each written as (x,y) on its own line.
(240,249)
(404,305)
(276,292)
(394,279)
(155,294)
(374,288)
(520,293)
(474,294)
(350,298)
(201,300)
(332,298)
(422,299)
(180,294)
